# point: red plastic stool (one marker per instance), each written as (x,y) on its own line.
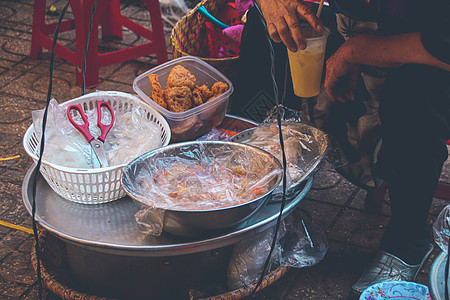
(107,15)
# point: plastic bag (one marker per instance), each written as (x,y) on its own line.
(173,10)
(304,244)
(333,154)
(441,229)
(299,244)
(304,145)
(215,135)
(131,137)
(248,258)
(65,146)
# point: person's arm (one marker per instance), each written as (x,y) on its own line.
(282,19)
(379,51)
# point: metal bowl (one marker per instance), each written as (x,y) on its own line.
(195,223)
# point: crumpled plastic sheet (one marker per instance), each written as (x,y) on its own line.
(215,135)
(173,10)
(299,244)
(248,258)
(306,147)
(65,146)
(197,177)
(333,154)
(441,229)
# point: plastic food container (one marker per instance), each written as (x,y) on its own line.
(195,122)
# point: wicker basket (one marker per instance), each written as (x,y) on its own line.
(100,185)
(54,270)
(189,37)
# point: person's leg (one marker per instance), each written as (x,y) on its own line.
(415,125)
(352,123)
(414,113)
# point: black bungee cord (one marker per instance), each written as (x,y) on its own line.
(44,123)
(86,47)
(37,248)
(283,201)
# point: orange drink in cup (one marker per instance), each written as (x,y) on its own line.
(307,65)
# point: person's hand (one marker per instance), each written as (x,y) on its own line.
(341,76)
(282,18)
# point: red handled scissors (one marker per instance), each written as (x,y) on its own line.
(96,143)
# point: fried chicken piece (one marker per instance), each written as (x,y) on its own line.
(197,98)
(217,89)
(206,92)
(157,94)
(178,98)
(180,76)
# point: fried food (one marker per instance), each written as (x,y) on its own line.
(217,89)
(178,98)
(157,94)
(206,92)
(197,97)
(181,92)
(180,76)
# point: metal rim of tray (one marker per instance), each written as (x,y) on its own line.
(181,248)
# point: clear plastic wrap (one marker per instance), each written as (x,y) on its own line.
(173,10)
(248,258)
(198,176)
(202,178)
(299,244)
(298,147)
(66,146)
(304,244)
(333,153)
(441,229)
(305,146)
(215,135)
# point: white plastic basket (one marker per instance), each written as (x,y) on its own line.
(100,185)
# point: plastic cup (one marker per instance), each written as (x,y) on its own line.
(307,65)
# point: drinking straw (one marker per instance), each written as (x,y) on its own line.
(319,10)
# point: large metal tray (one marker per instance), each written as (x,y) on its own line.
(111,228)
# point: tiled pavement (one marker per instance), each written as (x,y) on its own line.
(333,203)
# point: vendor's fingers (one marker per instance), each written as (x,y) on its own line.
(273,33)
(354,78)
(295,32)
(331,90)
(285,35)
(339,93)
(306,12)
